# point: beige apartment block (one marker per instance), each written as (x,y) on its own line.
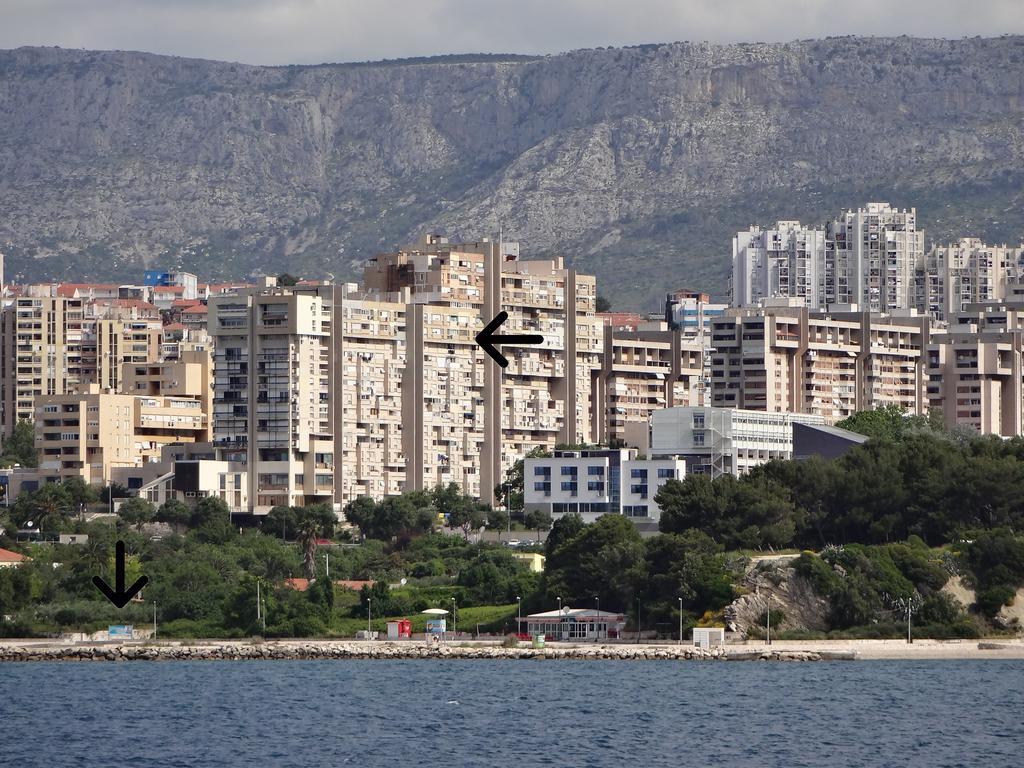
(829,364)
(116,332)
(643,371)
(975,381)
(273,391)
(41,353)
(87,435)
(370,350)
(466,420)
(188,376)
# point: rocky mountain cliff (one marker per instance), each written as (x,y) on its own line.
(638,164)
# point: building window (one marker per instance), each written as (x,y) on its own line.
(541,471)
(666,472)
(569,471)
(638,473)
(595,471)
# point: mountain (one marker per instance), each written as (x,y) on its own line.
(637,163)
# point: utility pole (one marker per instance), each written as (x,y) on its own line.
(369,616)
(768,615)
(154,619)
(327,558)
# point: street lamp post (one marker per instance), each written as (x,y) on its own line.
(455,631)
(519,615)
(597,602)
(369,616)
(559,617)
(154,619)
(680,621)
(768,614)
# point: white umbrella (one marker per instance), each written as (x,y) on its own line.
(436,611)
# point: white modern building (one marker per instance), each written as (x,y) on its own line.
(720,441)
(597,482)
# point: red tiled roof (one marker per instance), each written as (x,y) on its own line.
(6,556)
(297,584)
(174,327)
(198,309)
(168,289)
(180,303)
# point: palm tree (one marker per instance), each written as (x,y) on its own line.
(308,532)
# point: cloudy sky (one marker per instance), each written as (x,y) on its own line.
(312,31)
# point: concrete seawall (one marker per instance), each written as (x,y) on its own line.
(401,650)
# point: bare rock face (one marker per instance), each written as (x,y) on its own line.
(778,585)
(633,162)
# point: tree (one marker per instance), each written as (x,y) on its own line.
(20,447)
(81,492)
(538,519)
(175,513)
(209,509)
(136,511)
(312,522)
(887,422)
(286,280)
(497,519)
(603,304)
(47,507)
(509,493)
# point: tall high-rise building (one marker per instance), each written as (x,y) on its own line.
(874,257)
(40,353)
(465,419)
(273,371)
(785,260)
(969,272)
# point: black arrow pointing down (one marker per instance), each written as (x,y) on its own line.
(119,596)
(487,339)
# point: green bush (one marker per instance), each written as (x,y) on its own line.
(990,600)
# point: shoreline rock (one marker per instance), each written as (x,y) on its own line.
(393,651)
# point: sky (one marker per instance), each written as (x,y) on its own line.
(315,31)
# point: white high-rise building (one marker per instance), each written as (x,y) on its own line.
(785,260)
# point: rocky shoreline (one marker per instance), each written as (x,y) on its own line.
(406,650)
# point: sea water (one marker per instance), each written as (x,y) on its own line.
(513,713)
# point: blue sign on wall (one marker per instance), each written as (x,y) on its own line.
(120,631)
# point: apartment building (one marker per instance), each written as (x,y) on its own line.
(975,371)
(466,420)
(370,349)
(872,257)
(642,371)
(273,372)
(969,271)
(595,482)
(789,359)
(115,332)
(719,441)
(87,435)
(785,260)
(41,343)
(691,312)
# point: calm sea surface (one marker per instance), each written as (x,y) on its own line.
(509,713)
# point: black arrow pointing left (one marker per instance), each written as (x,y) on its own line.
(119,596)
(488,339)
